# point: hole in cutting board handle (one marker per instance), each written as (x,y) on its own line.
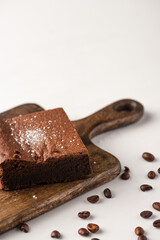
(125,106)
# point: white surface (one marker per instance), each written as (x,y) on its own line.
(83,55)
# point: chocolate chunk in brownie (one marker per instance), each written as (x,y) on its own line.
(41,147)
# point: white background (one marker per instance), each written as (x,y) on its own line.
(83,55)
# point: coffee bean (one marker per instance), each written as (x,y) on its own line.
(107,193)
(24,227)
(156,205)
(83,232)
(126,169)
(125,176)
(139,231)
(93,227)
(148,156)
(55,234)
(145,187)
(158,170)
(142,237)
(151,175)
(84,214)
(156,223)
(95,239)
(146,214)
(93,199)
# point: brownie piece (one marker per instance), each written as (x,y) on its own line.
(41,147)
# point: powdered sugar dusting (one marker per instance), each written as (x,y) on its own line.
(32,136)
(29,137)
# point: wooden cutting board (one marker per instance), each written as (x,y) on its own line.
(20,206)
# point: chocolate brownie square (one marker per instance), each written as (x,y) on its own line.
(41,147)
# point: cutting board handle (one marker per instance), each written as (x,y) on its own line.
(115,115)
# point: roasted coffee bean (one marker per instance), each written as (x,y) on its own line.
(156,223)
(24,227)
(93,227)
(156,205)
(93,199)
(55,234)
(142,237)
(145,187)
(84,214)
(95,239)
(125,176)
(126,169)
(148,156)
(146,214)
(83,232)
(151,175)
(139,231)
(107,193)
(158,170)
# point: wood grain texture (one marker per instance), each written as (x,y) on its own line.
(19,205)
